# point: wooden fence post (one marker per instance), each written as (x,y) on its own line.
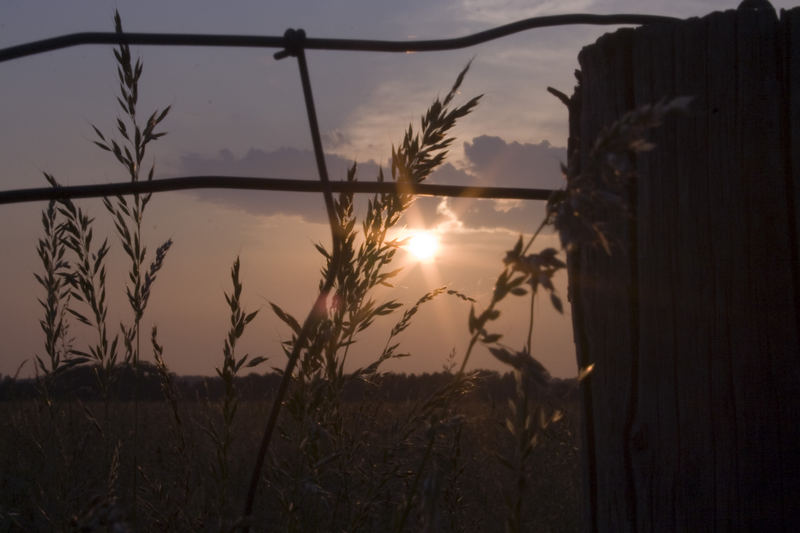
(692,414)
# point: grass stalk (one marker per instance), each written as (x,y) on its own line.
(223,436)
(349,274)
(51,250)
(127,216)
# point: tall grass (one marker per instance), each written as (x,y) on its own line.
(357,263)
(325,461)
(76,283)
(51,250)
(130,153)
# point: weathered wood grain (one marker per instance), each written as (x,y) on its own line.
(606,283)
(695,397)
(788,375)
(727,220)
(654,439)
(757,335)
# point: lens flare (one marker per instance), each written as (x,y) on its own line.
(423,245)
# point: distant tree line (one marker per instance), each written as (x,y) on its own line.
(80,382)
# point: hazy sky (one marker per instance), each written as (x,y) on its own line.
(240,112)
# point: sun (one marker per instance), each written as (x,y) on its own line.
(423,245)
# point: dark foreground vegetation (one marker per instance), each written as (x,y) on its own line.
(80,383)
(102,440)
(400,453)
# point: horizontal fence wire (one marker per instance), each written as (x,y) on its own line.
(267,184)
(360,45)
(233,182)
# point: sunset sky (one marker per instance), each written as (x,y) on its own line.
(240,112)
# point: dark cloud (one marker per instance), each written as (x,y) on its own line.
(517,216)
(282,163)
(493,161)
(447,174)
(490,161)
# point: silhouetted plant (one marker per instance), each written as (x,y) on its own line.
(580,212)
(358,464)
(597,192)
(357,263)
(85,278)
(127,216)
(222,434)
(51,250)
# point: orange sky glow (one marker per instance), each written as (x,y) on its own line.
(240,112)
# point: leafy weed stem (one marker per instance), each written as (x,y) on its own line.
(503,286)
(533,294)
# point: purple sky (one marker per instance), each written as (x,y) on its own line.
(238,111)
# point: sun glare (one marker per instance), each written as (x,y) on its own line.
(423,245)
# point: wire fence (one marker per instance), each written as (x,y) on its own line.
(294,43)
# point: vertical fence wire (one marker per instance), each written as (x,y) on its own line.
(318,310)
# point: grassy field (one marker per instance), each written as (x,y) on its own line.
(370,464)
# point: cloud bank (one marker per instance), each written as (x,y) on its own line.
(282,163)
(490,161)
